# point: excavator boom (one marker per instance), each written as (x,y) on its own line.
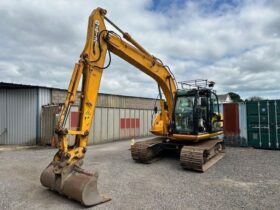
(64,174)
(173,123)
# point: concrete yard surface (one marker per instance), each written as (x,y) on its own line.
(245,178)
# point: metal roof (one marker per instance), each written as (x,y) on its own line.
(7,85)
(222,97)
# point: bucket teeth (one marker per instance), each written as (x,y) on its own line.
(75,183)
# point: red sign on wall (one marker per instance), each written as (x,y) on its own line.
(74,119)
(137,125)
(130,123)
(127,123)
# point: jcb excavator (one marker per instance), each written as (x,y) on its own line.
(188,120)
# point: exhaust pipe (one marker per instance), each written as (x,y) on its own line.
(75,183)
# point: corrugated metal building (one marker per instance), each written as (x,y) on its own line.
(20,108)
(24,121)
(29,113)
(112,124)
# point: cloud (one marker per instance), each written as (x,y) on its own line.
(236,43)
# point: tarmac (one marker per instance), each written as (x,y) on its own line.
(245,178)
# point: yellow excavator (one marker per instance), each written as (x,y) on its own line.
(188,120)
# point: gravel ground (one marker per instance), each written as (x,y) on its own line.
(244,179)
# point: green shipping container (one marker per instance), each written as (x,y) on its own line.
(263,121)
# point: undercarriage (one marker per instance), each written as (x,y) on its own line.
(198,156)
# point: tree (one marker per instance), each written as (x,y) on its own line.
(255,98)
(235,97)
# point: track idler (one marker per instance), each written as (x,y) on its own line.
(73,182)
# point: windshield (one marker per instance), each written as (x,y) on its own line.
(184,114)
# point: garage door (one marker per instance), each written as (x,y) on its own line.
(18,111)
(3,118)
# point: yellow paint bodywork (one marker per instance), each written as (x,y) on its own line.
(90,69)
(199,137)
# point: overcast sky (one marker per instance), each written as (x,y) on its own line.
(234,43)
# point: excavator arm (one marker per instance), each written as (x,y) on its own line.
(91,66)
(64,170)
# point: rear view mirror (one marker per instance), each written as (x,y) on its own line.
(165,106)
(155,109)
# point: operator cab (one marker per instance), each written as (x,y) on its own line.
(196,109)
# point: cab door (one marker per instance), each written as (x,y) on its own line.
(214,113)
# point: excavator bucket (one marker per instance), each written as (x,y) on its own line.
(74,183)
